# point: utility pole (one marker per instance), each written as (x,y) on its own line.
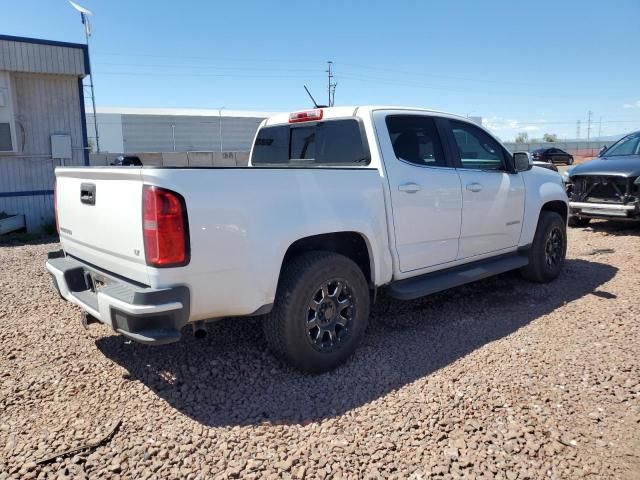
(220,126)
(331,88)
(589,126)
(578,130)
(600,128)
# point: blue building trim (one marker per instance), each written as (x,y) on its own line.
(83,118)
(54,43)
(27,193)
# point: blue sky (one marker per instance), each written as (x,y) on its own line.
(535,66)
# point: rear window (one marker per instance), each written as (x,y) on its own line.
(330,143)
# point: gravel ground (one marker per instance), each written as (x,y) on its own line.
(499,379)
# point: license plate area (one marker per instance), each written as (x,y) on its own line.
(95,281)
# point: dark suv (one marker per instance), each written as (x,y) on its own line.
(607,186)
(552,155)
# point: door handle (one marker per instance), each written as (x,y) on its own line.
(474,187)
(409,188)
(88,193)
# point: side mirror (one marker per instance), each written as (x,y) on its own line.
(522,161)
(602,149)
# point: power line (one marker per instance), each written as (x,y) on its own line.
(384,81)
(215,67)
(190,74)
(298,61)
(453,77)
(209,57)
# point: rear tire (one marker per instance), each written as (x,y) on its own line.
(320,312)
(548,250)
(577,222)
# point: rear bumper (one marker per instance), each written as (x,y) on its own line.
(617,211)
(143,314)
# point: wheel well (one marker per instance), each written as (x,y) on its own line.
(349,244)
(556,206)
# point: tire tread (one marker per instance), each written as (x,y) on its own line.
(275,323)
(534,271)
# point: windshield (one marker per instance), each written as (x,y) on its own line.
(629,145)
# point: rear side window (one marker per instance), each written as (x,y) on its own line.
(330,143)
(415,140)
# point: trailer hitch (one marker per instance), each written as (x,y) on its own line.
(87,319)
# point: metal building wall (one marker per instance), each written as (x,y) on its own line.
(157,133)
(238,133)
(45,105)
(41,56)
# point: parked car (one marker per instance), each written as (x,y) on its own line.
(607,186)
(547,165)
(127,161)
(552,155)
(337,203)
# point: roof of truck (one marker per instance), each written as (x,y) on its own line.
(351,111)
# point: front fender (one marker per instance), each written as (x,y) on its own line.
(542,187)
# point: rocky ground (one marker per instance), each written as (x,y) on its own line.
(500,379)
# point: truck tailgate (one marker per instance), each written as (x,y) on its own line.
(100,218)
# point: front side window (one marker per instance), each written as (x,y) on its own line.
(476,148)
(415,140)
(330,143)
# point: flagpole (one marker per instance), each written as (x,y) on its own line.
(87,34)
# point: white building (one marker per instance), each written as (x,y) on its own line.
(136,130)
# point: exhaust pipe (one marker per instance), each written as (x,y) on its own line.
(199,329)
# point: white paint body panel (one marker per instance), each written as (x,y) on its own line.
(492,215)
(426,221)
(242,221)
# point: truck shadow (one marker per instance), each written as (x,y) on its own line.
(615,228)
(230,378)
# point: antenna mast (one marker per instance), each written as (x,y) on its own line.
(315,104)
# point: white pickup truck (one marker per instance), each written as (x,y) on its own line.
(337,203)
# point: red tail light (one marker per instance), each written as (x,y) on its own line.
(308,116)
(165,228)
(55,205)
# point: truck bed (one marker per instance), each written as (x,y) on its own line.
(241,222)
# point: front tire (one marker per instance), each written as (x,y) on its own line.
(548,251)
(320,312)
(570,161)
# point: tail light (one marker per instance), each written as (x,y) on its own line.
(308,116)
(55,205)
(165,228)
